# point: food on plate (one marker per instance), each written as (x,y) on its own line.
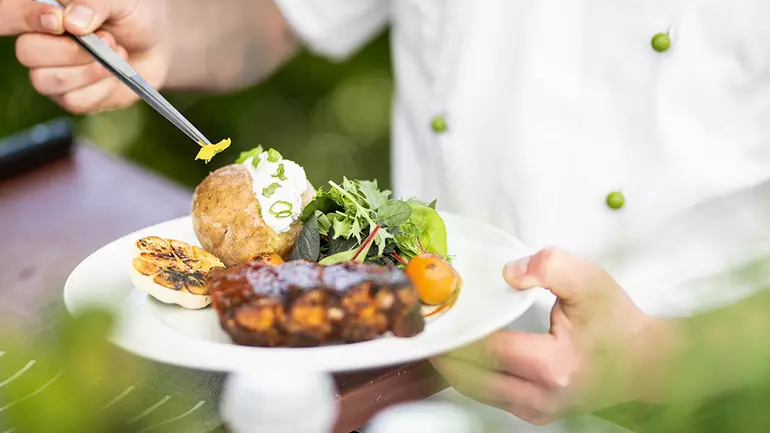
(356,221)
(302,303)
(356,218)
(251,207)
(436,281)
(208,151)
(172,271)
(268,259)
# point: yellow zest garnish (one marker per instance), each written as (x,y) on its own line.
(209,150)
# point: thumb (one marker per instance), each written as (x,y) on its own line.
(570,278)
(85,16)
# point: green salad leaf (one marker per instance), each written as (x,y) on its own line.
(374,197)
(324,223)
(357,212)
(352,215)
(359,254)
(340,244)
(341,257)
(393,213)
(308,245)
(425,229)
(407,240)
(322,203)
(344,227)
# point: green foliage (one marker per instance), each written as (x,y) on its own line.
(68,381)
(20,106)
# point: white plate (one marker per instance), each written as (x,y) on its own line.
(195,339)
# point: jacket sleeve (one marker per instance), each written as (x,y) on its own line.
(335,28)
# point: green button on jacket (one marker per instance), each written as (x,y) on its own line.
(615,200)
(661,42)
(439,124)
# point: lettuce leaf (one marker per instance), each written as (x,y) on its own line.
(353,209)
(371,192)
(425,228)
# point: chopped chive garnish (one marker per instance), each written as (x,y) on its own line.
(255,152)
(273,155)
(281,209)
(270,190)
(280,174)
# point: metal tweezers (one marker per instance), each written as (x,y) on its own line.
(123,71)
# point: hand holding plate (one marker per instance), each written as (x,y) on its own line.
(592,357)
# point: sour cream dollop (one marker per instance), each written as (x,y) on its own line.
(278,184)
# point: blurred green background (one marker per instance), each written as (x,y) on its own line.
(332,118)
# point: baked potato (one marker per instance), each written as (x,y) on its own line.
(227,219)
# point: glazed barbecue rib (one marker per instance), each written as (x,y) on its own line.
(302,304)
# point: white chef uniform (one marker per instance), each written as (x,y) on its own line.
(528,113)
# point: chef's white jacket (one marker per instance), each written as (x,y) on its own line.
(527,113)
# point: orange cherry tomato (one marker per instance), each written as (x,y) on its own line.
(435,279)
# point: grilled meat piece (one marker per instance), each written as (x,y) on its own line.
(302,304)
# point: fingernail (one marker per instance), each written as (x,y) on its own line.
(516,269)
(80,16)
(50,21)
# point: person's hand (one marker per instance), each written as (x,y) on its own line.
(65,72)
(596,352)
(22,16)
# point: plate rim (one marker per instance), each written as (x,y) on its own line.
(528,298)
